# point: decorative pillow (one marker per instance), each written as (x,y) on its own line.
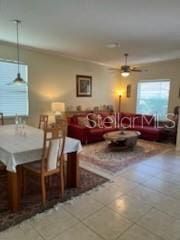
(95,120)
(83,122)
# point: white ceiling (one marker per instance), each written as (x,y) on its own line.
(149,30)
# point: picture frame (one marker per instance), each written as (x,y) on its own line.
(83,86)
(128,91)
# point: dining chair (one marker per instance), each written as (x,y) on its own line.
(1,119)
(43,121)
(62,123)
(52,161)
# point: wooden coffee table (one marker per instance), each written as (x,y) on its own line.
(119,140)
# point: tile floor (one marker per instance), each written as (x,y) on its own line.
(142,202)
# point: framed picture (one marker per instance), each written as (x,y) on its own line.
(83,86)
(128,91)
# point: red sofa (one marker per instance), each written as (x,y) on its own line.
(145,124)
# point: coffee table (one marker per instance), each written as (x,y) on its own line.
(119,140)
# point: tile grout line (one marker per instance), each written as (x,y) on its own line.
(150,230)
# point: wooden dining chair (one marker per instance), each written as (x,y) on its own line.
(43,121)
(62,123)
(52,161)
(1,119)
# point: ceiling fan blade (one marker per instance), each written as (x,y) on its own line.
(113,68)
(136,70)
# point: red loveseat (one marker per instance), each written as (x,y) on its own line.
(93,130)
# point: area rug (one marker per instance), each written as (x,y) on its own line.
(31,204)
(100,157)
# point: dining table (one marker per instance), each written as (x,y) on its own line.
(24,144)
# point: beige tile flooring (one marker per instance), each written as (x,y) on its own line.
(141,202)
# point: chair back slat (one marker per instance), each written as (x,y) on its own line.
(43,121)
(54,140)
(1,119)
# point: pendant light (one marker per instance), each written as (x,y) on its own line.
(18,80)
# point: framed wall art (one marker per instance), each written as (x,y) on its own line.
(83,86)
(128,91)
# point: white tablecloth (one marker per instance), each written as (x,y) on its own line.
(17,149)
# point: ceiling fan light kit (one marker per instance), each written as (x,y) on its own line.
(125,74)
(126,69)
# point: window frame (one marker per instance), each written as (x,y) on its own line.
(153,80)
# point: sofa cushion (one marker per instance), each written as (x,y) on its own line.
(101,130)
(96,130)
(148,120)
(127,119)
(95,120)
(149,130)
(83,122)
(132,119)
(149,133)
(74,118)
(109,121)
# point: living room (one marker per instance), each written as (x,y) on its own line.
(110,74)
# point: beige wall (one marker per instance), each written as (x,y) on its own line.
(52,78)
(161,70)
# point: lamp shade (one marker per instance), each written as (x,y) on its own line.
(19,80)
(57,107)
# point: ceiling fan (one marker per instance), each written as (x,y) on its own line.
(126,69)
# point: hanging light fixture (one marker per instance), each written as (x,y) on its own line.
(18,80)
(125,69)
(125,73)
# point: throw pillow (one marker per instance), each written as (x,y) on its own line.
(83,122)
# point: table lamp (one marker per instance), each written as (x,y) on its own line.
(58,108)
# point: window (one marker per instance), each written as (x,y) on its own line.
(13,98)
(153,97)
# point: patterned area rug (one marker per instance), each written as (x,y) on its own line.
(32,199)
(99,156)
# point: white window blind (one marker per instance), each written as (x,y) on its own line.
(13,98)
(153,97)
